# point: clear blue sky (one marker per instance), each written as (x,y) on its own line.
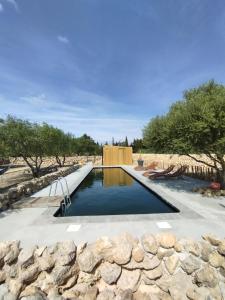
(105,67)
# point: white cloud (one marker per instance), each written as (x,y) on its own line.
(77,119)
(1,8)
(14,4)
(63,39)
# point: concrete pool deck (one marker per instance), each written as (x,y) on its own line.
(198,215)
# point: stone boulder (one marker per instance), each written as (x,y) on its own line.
(65,253)
(154,274)
(61,274)
(206,249)
(46,262)
(190,264)
(212,239)
(106,294)
(216,260)
(138,254)
(122,250)
(149,243)
(110,272)
(148,263)
(29,274)
(129,279)
(13,253)
(4,249)
(167,240)
(26,257)
(172,263)
(206,276)
(87,260)
(162,252)
(221,248)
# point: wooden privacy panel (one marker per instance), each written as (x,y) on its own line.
(116,155)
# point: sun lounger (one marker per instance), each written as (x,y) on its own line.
(175,174)
(159,172)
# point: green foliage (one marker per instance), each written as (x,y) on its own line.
(85,145)
(21,138)
(194,125)
(137,145)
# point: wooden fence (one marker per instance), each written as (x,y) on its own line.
(116,155)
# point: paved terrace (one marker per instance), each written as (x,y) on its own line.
(33,222)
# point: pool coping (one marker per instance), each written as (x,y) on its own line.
(47,217)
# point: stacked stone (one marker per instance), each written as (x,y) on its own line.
(156,267)
(49,161)
(31,186)
(209,192)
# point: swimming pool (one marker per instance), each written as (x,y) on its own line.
(112,191)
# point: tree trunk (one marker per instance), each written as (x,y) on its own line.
(59,161)
(35,170)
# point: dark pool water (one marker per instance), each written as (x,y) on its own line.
(111,191)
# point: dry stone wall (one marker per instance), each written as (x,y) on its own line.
(47,161)
(164,160)
(29,187)
(156,267)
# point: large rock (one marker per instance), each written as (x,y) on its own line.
(190,264)
(124,295)
(15,287)
(91,293)
(53,294)
(149,243)
(2,276)
(4,249)
(206,277)
(154,274)
(129,279)
(206,249)
(167,240)
(46,262)
(221,248)
(178,247)
(180,283)
(162,252)
(106,294)
(138,254)
(26,257)
(164,282)
(3,291)
(103,247)
(89,278)
(61,274)
(216,260)
(13,253)
(32,293)
(172,263)
(87,260)
(110,272)
(29,274)
(193,247)
(11,270)
(212,239)
(121,252)
(66,253)
(148,263)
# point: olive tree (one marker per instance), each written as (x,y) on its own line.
(194,125)
(58,144)
(23,139)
